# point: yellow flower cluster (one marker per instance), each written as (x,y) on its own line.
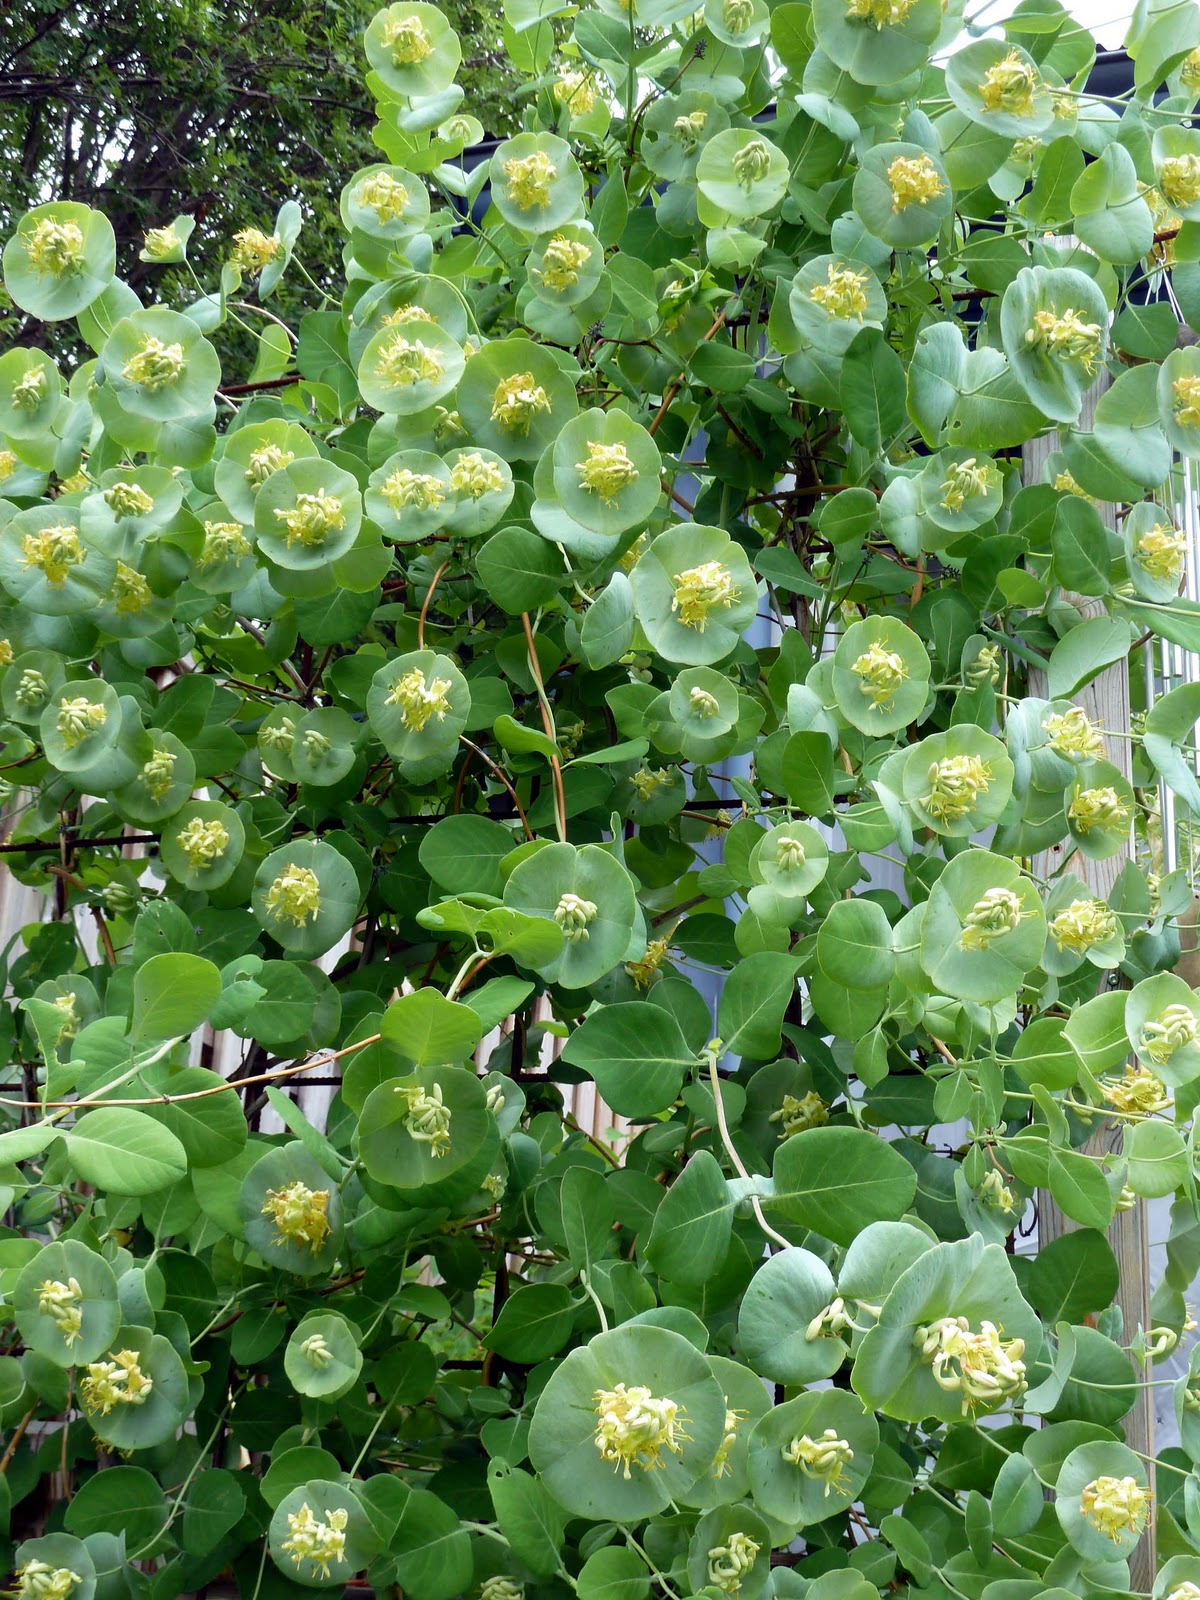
(635,1428)
(30,389)
(1138,1094)
(1161,552)
(573,915)
(78,718)
(1185,403)
(879,14)
(427,1117)
(642,972)
(1100,808)
(517,400)
(253,249)
(159,243)
(994,914)
(300,1214)
(843,294)
(53,247)
(128,500)
(295,896)
(203,843)
(268,458)
(699,590)
(733,1421)
(318,1542)
(730,1562)
(155,365)
(1116,1507)
(406,490)
(956,784)
(1082,925)
(316,1352)
(880,674)
(982,1367)
(1072,733)
(577,92)
(687,130)
(798,1115)
(130,593)
(529,180)
(606,470)
(824,1459)
(474,475)
(384,195)
(1010,86)
(312,519)
(752,163)
(63,1304)
(419,699)
(223,541)
(408,40)
(38,1580)
(562,261)
(158,773)
(1179,179)
(1068,337)
(402,362)
(119,1381)
(54,551)
(913,180)
(968,480)
(1175,1028)
(31,689)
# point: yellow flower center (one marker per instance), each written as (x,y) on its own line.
(576,91)
(38,1580)
(516,401)
(1068,337)
(128,500)
(824,1459)
(318,1542)
(606,470)
(130,592)
(737,15)
(279,735)
(1098,808)
(158,774)
(913,180)
(573,915)
(316,1352)
(796,1115)
(687,130)
(529,179)
(642,972)
(295,896)
(474,475)
(699,590)
(300,1214)
(55,247)
(406,490)
(119,1381)
(53,551)
(879,14)
(1179,179)
(880,674)
(956,784)
(982,1367)
(203,843)
(995,1194)
(635,1428)
(159,243)
(1082,925)
(68,1010)
(843,294)
(408,40)
(155,366)
(403,362)
(1116,1507)
(1066,484)
(1189,75)
(77,719)
(1010,86)
(1186,401)
(1072,733)
(1161,552)
(499,1588)
(729,1563)
(994,914)
(30,389)
(268,458)
(420,699)
(6,653)
(63,1304)
(733,1421)
(562,261)
(384,195)
(253,249)
(32,688)
(967,480)
(8,464)
(74,484)
(1139,1093)
(313,518)
(1173,1029)
(410,313)
(223,541)
(752,163)
(427,1117)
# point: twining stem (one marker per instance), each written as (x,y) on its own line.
(535,667)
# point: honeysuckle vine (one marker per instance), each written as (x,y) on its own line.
(617,640)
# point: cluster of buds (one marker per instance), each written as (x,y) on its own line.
(517,401)
(879,14)
(737,15)
(843,294)
(576,91)
(880,674)
(315,745)
(643,972)
(995,1194)
(300,1215)
(647,781)
(30,389)
(1179,179)
(8,464)
(752,163)
(128,500)
(956,784)
(1116,1507)
(733,1421)
(38,1580)
(703,704)
(408,40)
(116,1382)
(699,590)
(1066,483)
(32,688)
(1068,337)
(130,592)
(790,854)
(1010,86)
(968,480)
(688,130)
(529,180)
(265,460)
(500,1588)
(1138,1094)
(295,896)
(279,736)
(253,249)
(913,180)
(406,490)
(635,1428)
(474,475)
(1082,925)
(67,1006)
(78,718)
(1185,402)
(1161,552)
(159,244)
(995,913)
(426,1117)
(986,667)
(796,1115)
(832,1322)
(419,699)
(384,195)
(729,1563)
(606,470)
(55,248)
(983,1368)
(1184,1591)
(203,843)
(574,915)
(53,551)
(154,365)
(316,1352)
(318,1542)
(1100,808)
(824,1459)
(63,1304)
(402,362)
(223,541)
(563,260)
(1175,1028)
(1073,733)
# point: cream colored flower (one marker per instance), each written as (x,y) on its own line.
(30,389)
(280,736)
(699,590)
(1174,1028)
(8,464)
(408,39)
(318,1542)
(643,972)
(384,195)
(427,1118)
(879,14)
(752,162)
(733,1421)
(474,475)
(516,402)
(956,785)
(128,500)
(63,1304)
(576,91)
(529,180)
(730,1562)
(403,361)
(55,248)
(253,249)
(1116,1507)
(971,479)
(1010,86)
(1138,1094)
(1179,179)
(1083,925)
(31,689)
(78,718)
(606,470)
(316,1352)
(405,490)
(265,460)
(982,1367)
(53,551)
(1072,733)
(574,915)
(130,593)
(500,1588)
(995,913)
(824,1459)
(38,1580)
(295,896)
(913,180)
(312,519)
(223,541)
(635,1428)
(420,699)
(155,365)
(880,674)
(1068,337)
(157,774)
(563,260)
(203,843)
(300,1215)
(160,243)
(1161,552)
(118,1381)
(843,294)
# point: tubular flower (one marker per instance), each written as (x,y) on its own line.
(78,718)
(419,700)
(1010,86)
(1083,925)
(295,896)
(606,470)
(316,745)
(408,40)
(1161,552)
(159,243)
(117,1382)
(279,736)
(427,1118)
(8,464)
(562,261)
(68,1010)
(1066,484)
(982,1367)
(789,853)
(63,1304)
(1185,1591)
(1179,179)
(1073,733)
(406,490)
(1068,337)
(843,294)
(319,1543)
(1097,808)
(1174,1028)
(831,1323)
(517,401)
(494,1100)
(6,653)
(54,551)
(798,1115)
(703,704)
(824,1459)
(299,1214)
(128,500)
(384,195)
(1116,1506)
(913,180)
(223,541)
(1025,151)
(120,899)
(986,667)
(968,480)
(30,389)
(529,179)
(994,914)
(642,972)
(447,425)
(956,784)
(474,475)
(499,1588)
(635,1428)
(55,247)
(38,1580)
(1186,402)
(403,362)
(158,773)
(268,458)
(687,130)
(879,14)
(995,1193)
(729,1563)
(737,15)
(573,916)
(880,673)
(752,163)
(699,590)
(32,688)
(203,843)
(1189,75)
(733,1421)
(316,1352)
(495,1185)
(1138,1094)
(647,781)
(253,249)
(76,483)
(312,519)
(155,366)
(577,92)
(130,592)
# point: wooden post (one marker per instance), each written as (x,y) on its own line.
(1106,701)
